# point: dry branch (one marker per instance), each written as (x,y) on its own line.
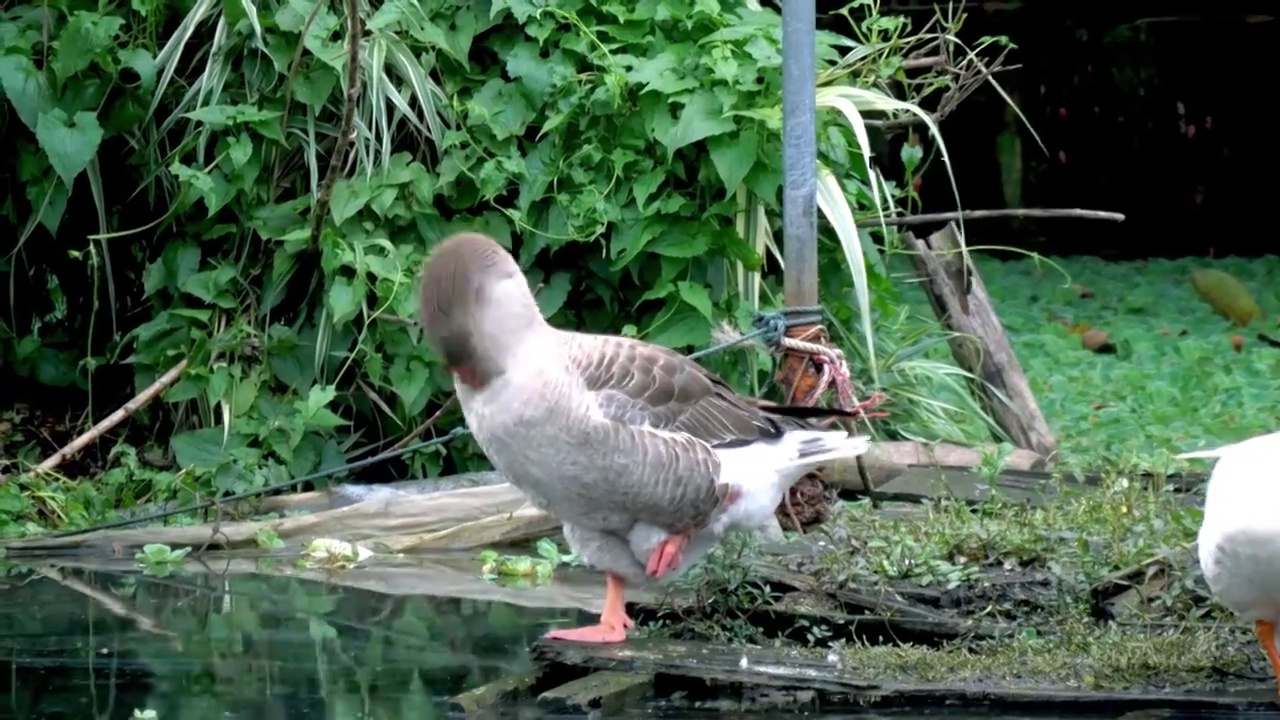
(115,418)
(966,215)
(355,31)
(980,344)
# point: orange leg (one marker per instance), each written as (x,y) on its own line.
(1267,636)
(669,553)
(613,620)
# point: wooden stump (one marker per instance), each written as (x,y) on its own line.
(980,345)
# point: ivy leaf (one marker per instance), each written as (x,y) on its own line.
(143,63)
(662,73)
(679,242)
(645,185)
(733,157)
(910,156)
(25,87)
(702,117)
(696,296)
(69,143)
(218,116)
(239,150)
(344,301)
(500,105)
(349,197)
(315,408)
(199,448)
(526,64)
(314,88)
(213,286)
(552,295)
(85,36)
(681,328)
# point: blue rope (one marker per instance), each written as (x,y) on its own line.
(769,326)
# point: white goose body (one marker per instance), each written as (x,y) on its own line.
(645,456)
(1239,538)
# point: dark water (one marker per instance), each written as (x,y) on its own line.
(79,644)
(85,644)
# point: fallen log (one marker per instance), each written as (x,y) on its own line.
(380,517)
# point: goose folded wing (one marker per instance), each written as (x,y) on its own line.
(676,412)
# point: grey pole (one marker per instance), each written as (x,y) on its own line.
(799,154)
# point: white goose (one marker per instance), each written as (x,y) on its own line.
(645,456)
(1239,540)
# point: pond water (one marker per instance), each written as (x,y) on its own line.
(78,644)
(194,646)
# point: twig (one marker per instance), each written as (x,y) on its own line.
(1004,213)
(924,63)
(426,425)
(141,399)
(354,32)
(110,601)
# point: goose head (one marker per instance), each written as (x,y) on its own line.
(476,307)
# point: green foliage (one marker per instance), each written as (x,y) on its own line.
(167,160)
(525,570)
(1181,387)
(159,559)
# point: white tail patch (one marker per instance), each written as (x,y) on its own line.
(763,472)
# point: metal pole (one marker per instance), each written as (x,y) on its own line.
(799,154)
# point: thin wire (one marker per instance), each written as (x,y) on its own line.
(771,326)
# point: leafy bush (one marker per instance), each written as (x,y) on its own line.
(166,161)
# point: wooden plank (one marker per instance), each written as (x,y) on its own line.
(839,687)
(489,698)
(607,692)
(886,460)
(980,344)
(506,529)
(373,518)
(923,483)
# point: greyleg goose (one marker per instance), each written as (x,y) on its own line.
(644,456)
(1239,539)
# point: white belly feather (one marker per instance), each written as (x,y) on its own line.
(1239,539)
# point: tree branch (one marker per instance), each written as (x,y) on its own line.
(967,215)
(355,30)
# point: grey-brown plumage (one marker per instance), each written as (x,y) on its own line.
(629,444)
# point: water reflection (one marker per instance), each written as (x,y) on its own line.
(102,644)
(253,639)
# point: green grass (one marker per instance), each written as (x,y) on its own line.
(1028,570)
(1162,393)
(1078,653)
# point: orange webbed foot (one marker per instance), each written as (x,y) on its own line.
(1266,633)
(614,621)
(599,634)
